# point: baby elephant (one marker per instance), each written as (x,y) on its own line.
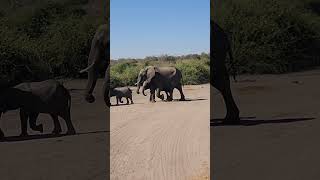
(121,92)
(49,97)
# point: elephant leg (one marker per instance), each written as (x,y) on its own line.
(170,98)
(1,132)
(106,90)
(24,122)
(161,96)
(131,100)
(127,100)
(117,101)
(167,93)
(33,122)
(181,93)
(120,100)
(57,126)
(67,118)
(223,86)
(152,95)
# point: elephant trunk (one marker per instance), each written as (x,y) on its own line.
(138,84)
(91,83)
(138,88)
(144,88)
(92,70)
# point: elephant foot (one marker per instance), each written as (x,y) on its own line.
(90,98)
(227,122)
(182,99)
(23,134)
(38,128)
(71,132)
(162,97)
(1,134)
(56,131)
(232,119)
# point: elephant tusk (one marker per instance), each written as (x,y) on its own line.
(87,69)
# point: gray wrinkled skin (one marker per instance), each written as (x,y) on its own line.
(121,92)
(49,97)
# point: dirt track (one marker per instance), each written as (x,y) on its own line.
(43,157)
(162,140)
(279,137)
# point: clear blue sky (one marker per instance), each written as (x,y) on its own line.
(142,28)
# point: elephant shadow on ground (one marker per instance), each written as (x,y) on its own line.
(123,104)
(252,121)
(45,136)
(187,99)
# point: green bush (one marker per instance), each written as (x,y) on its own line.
(45,39)
(271,36)
(194,71)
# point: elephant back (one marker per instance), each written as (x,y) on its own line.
(169,72)
(44,89)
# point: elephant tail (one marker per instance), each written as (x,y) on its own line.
(65,93)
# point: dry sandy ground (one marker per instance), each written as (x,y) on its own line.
(279,137)
(162,140)
(41,157)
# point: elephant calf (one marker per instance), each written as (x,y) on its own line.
(49,97)
(120,93)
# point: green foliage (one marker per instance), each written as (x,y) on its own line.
(271,36)
(194,71)
(48,38)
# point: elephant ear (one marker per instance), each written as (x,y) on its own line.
(151,72)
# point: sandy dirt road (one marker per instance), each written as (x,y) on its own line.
(279,136)
(42,157)
(162,140)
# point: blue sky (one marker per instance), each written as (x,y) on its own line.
(142,28)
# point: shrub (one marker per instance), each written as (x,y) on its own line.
(270,36)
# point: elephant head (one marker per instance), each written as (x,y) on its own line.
(99,52)
(145,76)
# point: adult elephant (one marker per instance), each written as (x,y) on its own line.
(160,79)
(99,53)
(220,47)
